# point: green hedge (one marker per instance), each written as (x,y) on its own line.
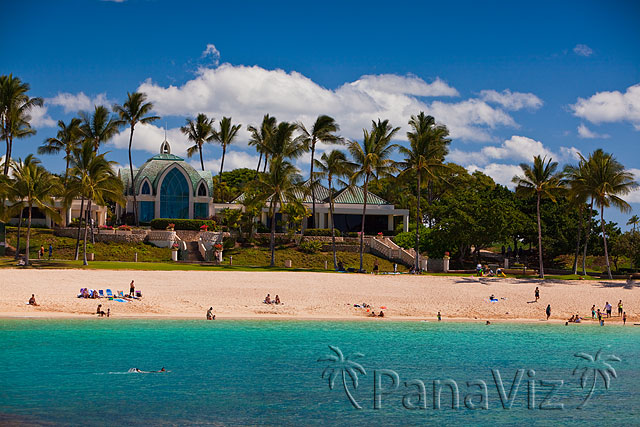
(182,224)
(320,232)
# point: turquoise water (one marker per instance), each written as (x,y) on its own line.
(263,372)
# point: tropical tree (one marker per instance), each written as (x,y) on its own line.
(67,139)
(35,186)
(225,137)
(283,144)
(606,181)
(93,177)
(135,110)
(278,186)
(634,221)
(541,180)
(323,130)
(424,159)
(574,177)
(260,137)
(372,159)
(15,106)
(199,132)
(333,166)
(99,127)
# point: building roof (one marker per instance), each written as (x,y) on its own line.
(153,168)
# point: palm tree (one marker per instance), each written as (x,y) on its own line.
(323,130)
(424,158)
(333,166)
(282,143)
(225,137)
(279,186)
(67,140)
(135,110)
(574,179)
(260,137)
(92,176)
(99,127)
(345,366)
(542,180)
(372,159)
(198,132)
(36,187)
(606,181)
(15,105)
(634,220)
(593,366)
(17,197)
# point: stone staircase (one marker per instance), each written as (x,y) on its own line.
(193,252)
(386,248)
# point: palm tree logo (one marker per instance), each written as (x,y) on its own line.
(592,366)
(345,367)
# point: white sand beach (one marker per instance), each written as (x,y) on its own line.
(188,294)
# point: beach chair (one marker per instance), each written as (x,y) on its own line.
(101,293)
(120,294)
(109,294)
(138,294)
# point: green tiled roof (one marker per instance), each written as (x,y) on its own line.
(355,195)
(155,166)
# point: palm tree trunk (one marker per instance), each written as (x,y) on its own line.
(586,240)
(333,228)
(224,151)
(604,237)
(575,258)
(272,240)
(259,161)
(7,157)
(84,249)
(26,250)
(201,161)
(66,168)
(313,191)
(364,213)
(266,161)
(540,239)
(77,252)
(418,229)
(19,227)
(133,190)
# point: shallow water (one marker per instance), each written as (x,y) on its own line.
(266,372)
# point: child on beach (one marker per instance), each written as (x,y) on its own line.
(624,318)
(548,311)
(537,294)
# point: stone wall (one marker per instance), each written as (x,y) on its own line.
(102,236)
(345,248)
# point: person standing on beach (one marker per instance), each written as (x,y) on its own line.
(593,311)
(548,311)
(50,250)
(599,315)
(132,289)
(439,317)
(624,318)
(620,311)
(607,309)
(376,266)
(537,294)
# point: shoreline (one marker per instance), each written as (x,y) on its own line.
(238,295)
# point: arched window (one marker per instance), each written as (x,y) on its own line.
(202,190)
(174,195)
(146,189)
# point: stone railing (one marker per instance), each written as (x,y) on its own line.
(161,238)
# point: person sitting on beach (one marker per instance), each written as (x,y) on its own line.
(486,271)
(381,314)
(572,319)
(277,301)
(99,311)
(267,299)
(488,323)
(577,319)
(479,269)
(85,293)
(210,315)
(500,272)
(32,300)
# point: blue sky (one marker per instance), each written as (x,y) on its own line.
(509,80)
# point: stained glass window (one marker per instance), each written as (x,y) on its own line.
(201,210)
(174,196)
(202,191)
(146,189)
(146,211)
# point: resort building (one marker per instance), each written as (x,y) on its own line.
(167,186)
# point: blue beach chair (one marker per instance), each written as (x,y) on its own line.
(101,293)
(109,294)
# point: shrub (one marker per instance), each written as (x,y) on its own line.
(124,228)
(352,234)
(310,246)
(182,224)
(320,232)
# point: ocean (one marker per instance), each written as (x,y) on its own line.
(249,372)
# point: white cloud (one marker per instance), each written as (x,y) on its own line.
(232,160)
(634,196)
(585,132)
(611,106)
(78,102)
(247,93)
(149,137)
(512,100)
(40,118)
(501,174)
(583,50)
(213,53)
(516,148)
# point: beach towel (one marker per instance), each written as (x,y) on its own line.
(120,300)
